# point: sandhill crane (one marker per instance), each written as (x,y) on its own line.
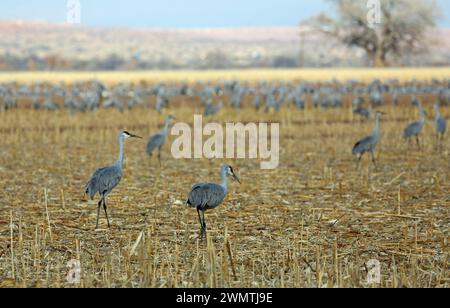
(300,101)
(35,104)
(357,102)
(369,143)
(161,103)
(440,122)
(363,112)
(415,101)
(211,109)
(104,180)
(316,99)
(376,98)
(49,104)
(207,196)
(157,140)
(113,102)
(257,102)
(414,129)
(9,101)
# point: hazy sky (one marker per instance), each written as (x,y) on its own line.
(177,13)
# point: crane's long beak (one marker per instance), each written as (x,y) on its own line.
(135,136)
(236,178)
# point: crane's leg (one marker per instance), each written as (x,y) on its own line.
(373,159)
(106,211)
(201,218)
(204,225)
(438,146)
(98,212)
(417,141)
(159,156)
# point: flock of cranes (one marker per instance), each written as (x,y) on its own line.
(93,95)
(414,129)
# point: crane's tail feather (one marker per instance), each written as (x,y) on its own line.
(355,149)
(89,190)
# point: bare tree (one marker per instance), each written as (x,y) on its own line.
(402,29)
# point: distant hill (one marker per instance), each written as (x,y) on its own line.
(45,46)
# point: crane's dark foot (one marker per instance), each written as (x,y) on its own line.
(203,235)
(203,231)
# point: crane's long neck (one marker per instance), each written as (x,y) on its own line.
(120,160)
(376,130)
(166,128)
(422,116)
(224,184)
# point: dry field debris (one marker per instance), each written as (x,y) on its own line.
(315,221)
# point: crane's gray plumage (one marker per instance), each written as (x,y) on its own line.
(440,122)
(414,129)
(363,112)
(104,180)
(207,196)
(156,141)
(369,143)
(211,109)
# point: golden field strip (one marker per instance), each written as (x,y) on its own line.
(314,222)
(252,75)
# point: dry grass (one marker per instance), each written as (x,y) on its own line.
(362,74)
(313,222)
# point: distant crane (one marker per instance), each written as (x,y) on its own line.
(363,112)
(35,103)
(257,102)
(440,122)
(414,129)
(157,140)
(211,109)
(104,180)
(369,143)
(9,101)
(161,103)
(49,104)
(207,196)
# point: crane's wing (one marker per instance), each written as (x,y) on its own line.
(362,145)
(154,142)
(92,185)
(103,180)
(411,130)
(441,125)
(202,195)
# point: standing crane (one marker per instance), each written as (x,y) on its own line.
(440,122)
(369,143)
(104,180)
(207,196)
(157,140)
(414,129)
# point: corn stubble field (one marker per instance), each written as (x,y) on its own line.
(314,222)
